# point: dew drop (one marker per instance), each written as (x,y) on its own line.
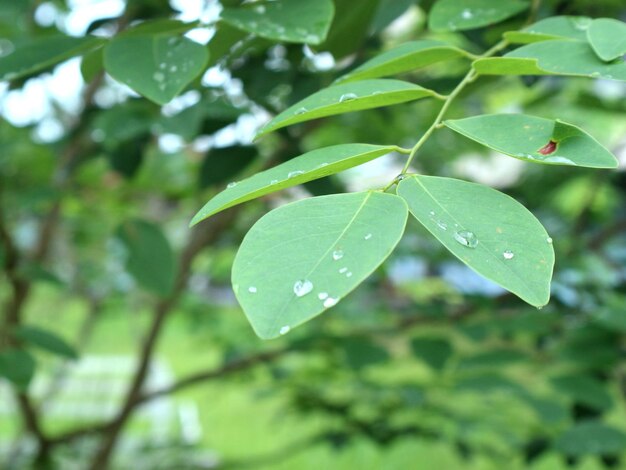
(232,184)
(322,165)
(442,225)
(274,182)
(347,97)
(368,236)
(301,111)
(349,274)
(158,76)
(330,301)
(343,270)
(322,295)
(508,254)
(302,287)
(466,14)
(466,238)
(337,254)
(292,174)
(594,74)
(284,330)
(549,240)
(260,9)
(252,290)
(432,213)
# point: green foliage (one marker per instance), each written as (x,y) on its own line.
(17,366)
(45,340)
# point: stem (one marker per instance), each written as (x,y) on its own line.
(469,77)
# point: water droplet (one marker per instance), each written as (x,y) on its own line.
(549,240)
(291,174)
(303,287)
(158,76)
(252,289)
(337,255)
(368,236)
(343,270)
(173,68)
(322,295)
(349,274)
(232,184)
(284,330)
(260,9)
(508,254)
(274,182)
(557,159)
(442,225)
(467,14)
(162,66)
(347,97)
(301,111)
(466,238)
(330,301)
(594,74)
(322,165)
(6,47)
(432,213)
(581,23)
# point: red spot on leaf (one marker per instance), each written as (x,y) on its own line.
(547,149)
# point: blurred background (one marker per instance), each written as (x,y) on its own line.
(426,365)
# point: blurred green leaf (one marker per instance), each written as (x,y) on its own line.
(32,55)
(584,389)
(489,231)
(452,15)
(555,27)
(151,260)
(362,352)
(535,139)
(157,66)
(591,438)
(495,358)
(92,64)
(432,350)
(222,164)
(309,166)
(17,366)
(303,258)
(346,98)
(283,20)
(45,340)
(350,27)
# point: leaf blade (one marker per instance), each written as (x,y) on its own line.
(45,340)
(345,98)
(452,15)
(346,237)
(495,224)
(607,38)
(528,137)
(313,165)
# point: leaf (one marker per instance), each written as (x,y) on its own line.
(489,231)
(362,352)
(452,15)
(309,166)
(157,66)
(584,389)
(535,139)
(350,27)
(92,64)
(557,57)
(221,164)
(17,366)
(404,58)
(347,98)
(45,340)
(283,20)
(150,258)
(432,350)
(495,358)
(591,438)
(33,55)
(555,27)
(304,257)
(607,38)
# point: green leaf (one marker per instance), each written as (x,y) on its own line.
(535,139)
(92,64)
(158,67)
(45,340)
(557,57)
(284,20)
(302,258)
(362,352)
(17,366)
(346,98)
(150,258)
(495,358)
(309,166)
(489,231)
(404,58)
(591,438)
(607,38)
(584,389)
(222,164)
(452,15)
(432,350)
(37,54)
(555,27)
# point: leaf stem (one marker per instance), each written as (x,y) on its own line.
(437,123)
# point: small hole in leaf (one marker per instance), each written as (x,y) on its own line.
(547,149)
